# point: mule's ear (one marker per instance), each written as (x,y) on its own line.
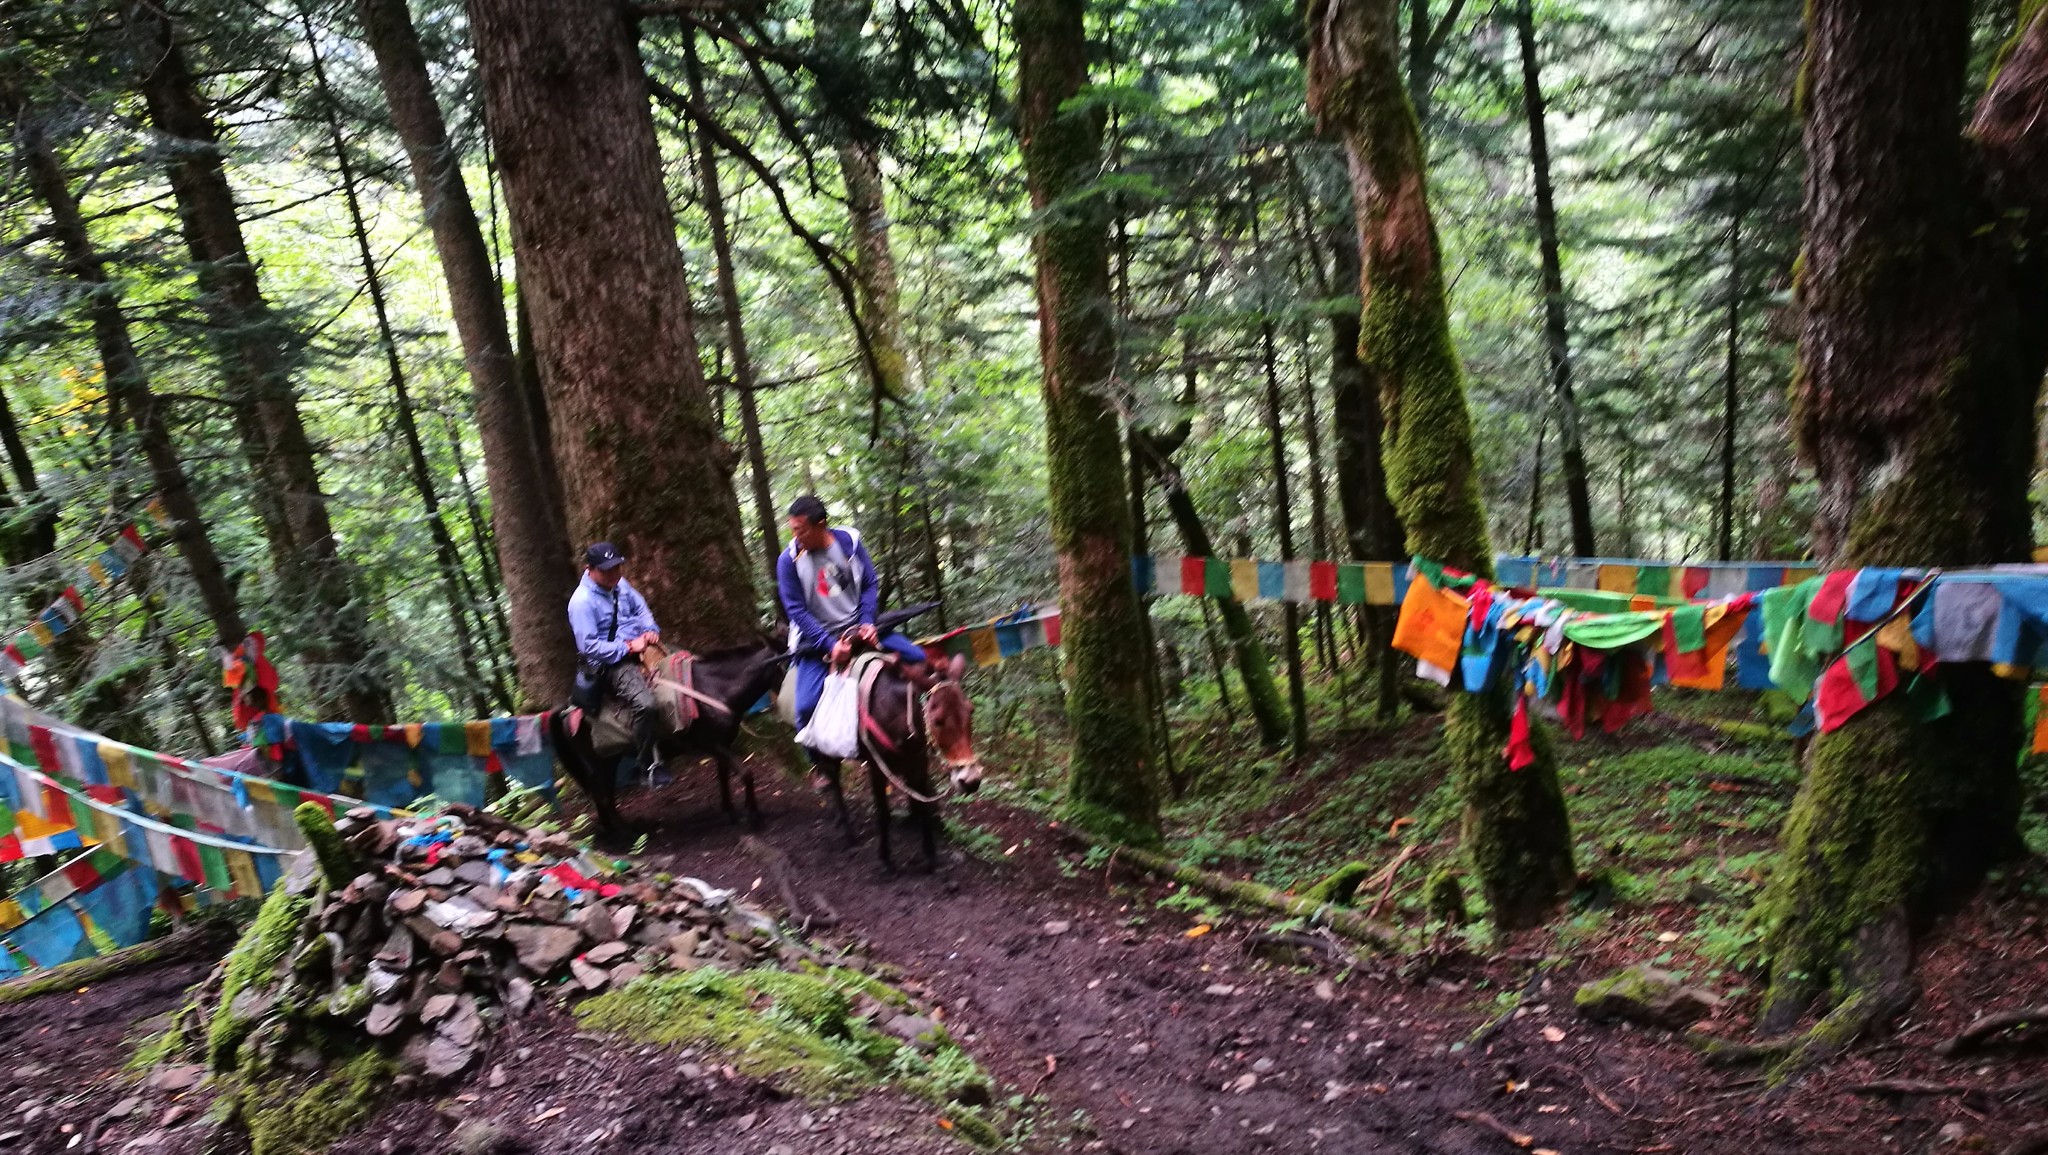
(957,668)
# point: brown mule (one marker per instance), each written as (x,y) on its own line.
(904,718)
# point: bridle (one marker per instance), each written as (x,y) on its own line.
(878,744)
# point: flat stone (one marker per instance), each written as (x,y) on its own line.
(543,947)
(444,1058)
(1219,990)
(450,976)
(384,1018)
(124,1108)
(1058,927)
(518,995)
(398,949)
(439,876)
(475,872)
(437,1008)
(382,980)
(589,977)
(623,919)
(1646,995)
(606,953)
(917,1030)
(407,901)
(177,1077)
(596,921)
(626,972)
(465,1026)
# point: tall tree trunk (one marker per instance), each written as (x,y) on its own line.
(1318,505)
(1921,354)
(640,454)
(1283,529)
(1113,782)
(533,550)
(1426,40)
(1515,829)
(839,25)
(255,348)
(39,535)
(128,384)
(1372,527)
(1556,337)
(735,330)
(1731,394)
(448,561)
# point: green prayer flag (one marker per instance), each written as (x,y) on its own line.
(453,739)
(28,644)
(1216,578)
(1613,631)
(1689,628)
(1654,580)
(1862,660)
(1351,584)
(214,865)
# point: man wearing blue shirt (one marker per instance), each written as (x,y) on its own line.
(829,591)
(612,625)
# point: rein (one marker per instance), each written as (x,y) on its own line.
(877,741)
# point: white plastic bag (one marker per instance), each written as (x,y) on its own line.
(834,730)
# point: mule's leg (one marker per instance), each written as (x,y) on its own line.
(835,795)
(926,814)
(880,790)
(747,783)
(723,757)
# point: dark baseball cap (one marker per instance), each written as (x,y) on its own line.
(603,555)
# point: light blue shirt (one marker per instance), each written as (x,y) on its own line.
(590,620)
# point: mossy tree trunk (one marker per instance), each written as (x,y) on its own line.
(641,459)
(1113,780)
(1515,829)
(1921,356)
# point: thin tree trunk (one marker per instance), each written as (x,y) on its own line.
(532,548)
(1921,359)
(255,349)
(449,562)
(128,383)
(1283,528)
(1731,394)
(641,458)
(1216,665)
(1556,337)
(40,535)
(735,330)
(1532,530)
(1319,517)
(1113,782)
(1515,830)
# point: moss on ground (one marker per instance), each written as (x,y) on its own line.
(303,1117)
(799,1030)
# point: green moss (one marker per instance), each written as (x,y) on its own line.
(337,862)
(303,1120)
(798,1029)
(1445,899)
(1339,885)
(262,947)
(1513,826)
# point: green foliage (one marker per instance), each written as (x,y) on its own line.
(252,962)
(304,1120)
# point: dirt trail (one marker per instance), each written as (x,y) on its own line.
(1175,1044)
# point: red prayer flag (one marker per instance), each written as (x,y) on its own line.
(82,875)
(187,854)
(70,594)
(1833,597)
(1692,580)
(1322,581)
(1052,629)
(45,746)
(1520,751)
(1194,576)
(134,538)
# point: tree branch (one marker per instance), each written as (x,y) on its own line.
(829,259)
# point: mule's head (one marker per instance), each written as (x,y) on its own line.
(949,724)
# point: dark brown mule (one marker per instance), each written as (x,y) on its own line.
(905,718)
(732,680)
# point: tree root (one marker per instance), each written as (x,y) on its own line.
(1350,924)
(1980,1032)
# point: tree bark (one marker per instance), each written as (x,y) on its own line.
(1283,529)
(256,350)
(533,551)
(1515,829)
(1113,781)
(1556,335)
(1731,392)
(1920,364)
(640,455)
(735,328)
(128,383)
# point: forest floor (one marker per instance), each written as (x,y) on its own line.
(1112,1022)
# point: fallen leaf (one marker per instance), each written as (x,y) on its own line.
(1012,849)
(1668,936)
(1404,820)
(1199,929)
(945,1124)
(544,1116)
(1553,1035)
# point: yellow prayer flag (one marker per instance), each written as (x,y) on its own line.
(987,652)
(477,736)
(1620,579)
(1244,579)
(157,513)
(119,772)
(260,790)
(11,914)
(1796,574)
(1379,583)
(242,869)
(1896,635)
(413,730)
(41,632)
(99,574)
(107,831)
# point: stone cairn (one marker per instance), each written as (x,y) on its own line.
(446,923)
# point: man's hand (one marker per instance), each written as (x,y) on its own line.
(867,634)
(637,644)
(841,650)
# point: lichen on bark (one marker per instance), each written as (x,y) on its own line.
(1515,829)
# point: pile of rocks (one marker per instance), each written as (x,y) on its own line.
(444,923)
